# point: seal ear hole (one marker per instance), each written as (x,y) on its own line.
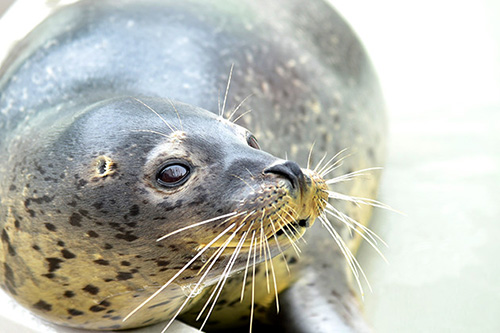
(104,166)
(173,174)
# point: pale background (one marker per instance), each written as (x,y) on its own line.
(439,65)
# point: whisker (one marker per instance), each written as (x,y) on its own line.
(274,277)
(328,168)
(368,231)
(150,131)
(252,306)
(157,114)
(238,107)
(343,219)
(230,215)
(227,90)
(351,260)
(262,246)
(199,254)
(242,115)
(177,112)
(279,247)
(310,155)
(219,251)
(246,267)
(320,161)
(360,201)
(350,176)
(225,276)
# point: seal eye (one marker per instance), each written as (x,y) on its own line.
(173,175)
(252,141)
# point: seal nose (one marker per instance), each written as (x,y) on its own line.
(291,171)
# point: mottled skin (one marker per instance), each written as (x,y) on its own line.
(83,236)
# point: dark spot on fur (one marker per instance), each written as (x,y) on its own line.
(75,220)
(67,254)
(72,203)
(97,308)
(82,182)
(163,262)
(36,247)
(125,263)
(124,276)
(159,304)
(91,289)
(69,294)
(98,205)
(92,234)
(102,262)
(6,239)
(292,260)
(50,227)
(75,312)
(54,264)
(108,246)
(17,224)
(42,305)
(127,236)
(61,243)
(134,210)
(12,188)
(49,275)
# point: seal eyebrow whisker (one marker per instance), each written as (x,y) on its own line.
(230,216)
(225,276)
(173,129)
(150,131)
(227,90)
(242,115)
(177,112)
(199,254)
(238,107)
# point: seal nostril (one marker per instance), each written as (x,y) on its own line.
(289,170)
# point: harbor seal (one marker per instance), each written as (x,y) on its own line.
(108,148)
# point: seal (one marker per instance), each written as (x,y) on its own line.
(124,202)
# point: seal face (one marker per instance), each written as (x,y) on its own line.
(121,206)
(116,188)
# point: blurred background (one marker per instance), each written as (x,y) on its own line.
(439,65)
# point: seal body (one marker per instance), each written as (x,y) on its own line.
(89,114)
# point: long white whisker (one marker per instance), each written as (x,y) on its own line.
(225,275)
(242,115)
(219,252)
(274,277)
(177,112)
(237,108)
(227,90)
(248,262)
(157,114)
(328,168)
(350,176)
(150,131)
(230,215)
(279,247)
(199,254)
